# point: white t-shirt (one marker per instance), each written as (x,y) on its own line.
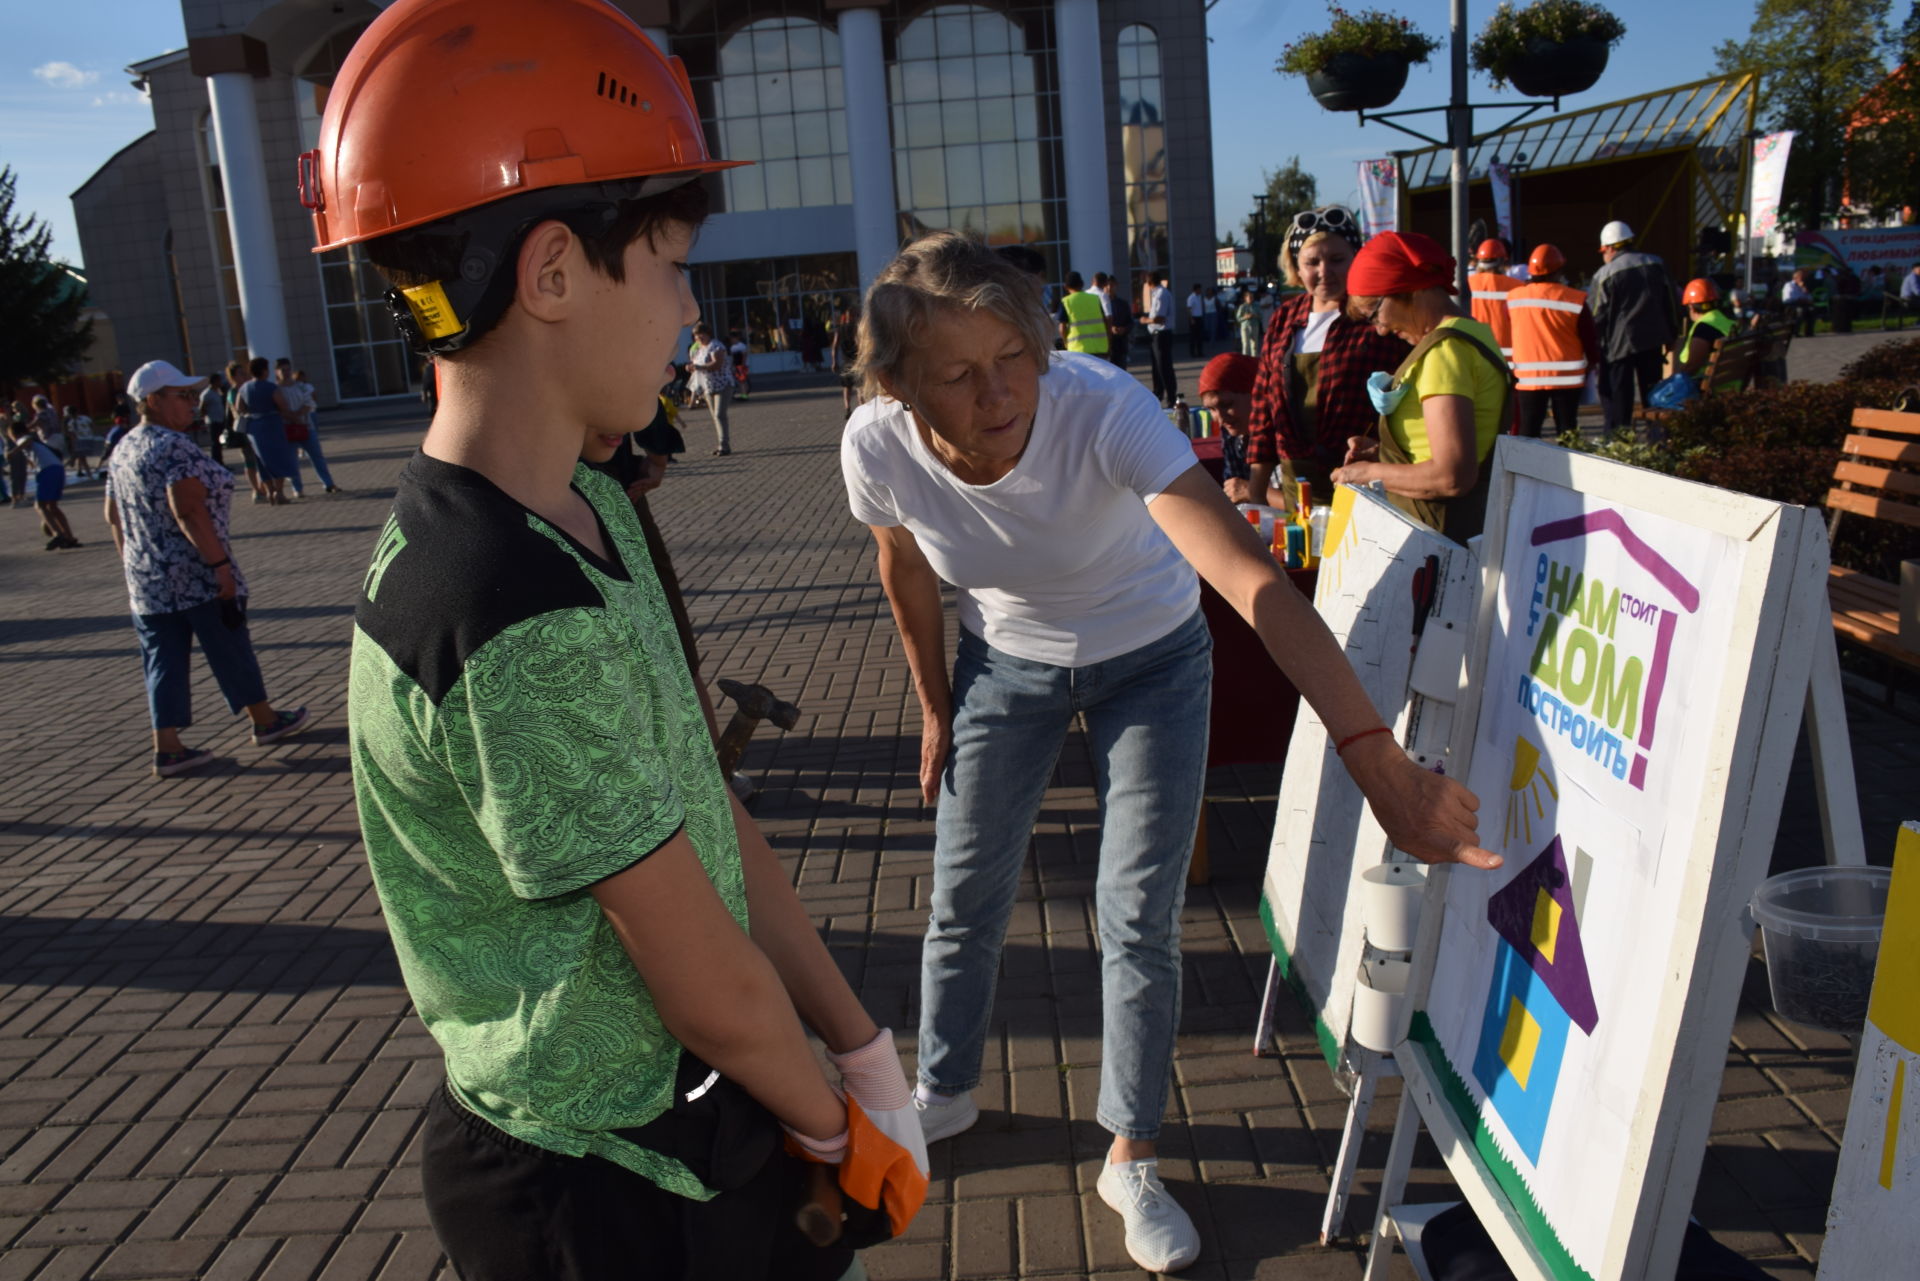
(1159,308)
(1313,335)
(1057,561)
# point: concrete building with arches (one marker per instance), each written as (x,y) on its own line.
(1079,128)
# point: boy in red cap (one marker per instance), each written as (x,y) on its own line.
(1226,391)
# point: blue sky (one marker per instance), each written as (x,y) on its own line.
(65,103)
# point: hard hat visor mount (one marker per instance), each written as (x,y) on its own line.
(457,310)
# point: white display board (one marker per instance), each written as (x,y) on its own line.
(1873,1229)
(1381,573)
(1639,660)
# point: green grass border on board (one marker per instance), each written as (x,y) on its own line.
(1546,1242)
(1329,1044)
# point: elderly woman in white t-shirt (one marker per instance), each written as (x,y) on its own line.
(1054,494)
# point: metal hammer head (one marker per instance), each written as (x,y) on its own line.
(760,703)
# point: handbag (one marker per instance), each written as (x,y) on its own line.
(296,430)
(1673,391)
(233,438)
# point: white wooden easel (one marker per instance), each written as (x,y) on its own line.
(1669,1138)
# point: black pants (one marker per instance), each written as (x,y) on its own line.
(1800,318)
(1164,385)
(1117,351)
(508,1211)
(1564,401)
(1642,367)
(1197,337)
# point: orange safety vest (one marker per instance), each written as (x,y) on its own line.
(1546,335)
(1490,289)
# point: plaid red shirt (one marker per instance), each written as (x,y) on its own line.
(1353,351)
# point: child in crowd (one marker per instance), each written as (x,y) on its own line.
(567,881)
(48,482)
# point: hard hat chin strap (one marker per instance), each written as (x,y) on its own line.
(446,315)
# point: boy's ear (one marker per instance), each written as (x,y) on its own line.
(546,271)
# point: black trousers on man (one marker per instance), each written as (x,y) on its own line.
(1642,367)
(1197,336)
(1563,401)
(1164,385)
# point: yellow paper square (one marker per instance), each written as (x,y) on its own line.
(1519,1041)
(1546,923)
(1895,1007)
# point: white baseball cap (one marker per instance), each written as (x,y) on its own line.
(156,374)
(1615,233)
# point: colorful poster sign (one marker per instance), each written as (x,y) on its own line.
(1872,1230)
(1858,248)
(1609,643)
(1769,175)
(1379,196)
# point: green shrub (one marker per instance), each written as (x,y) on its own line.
(1371,33)
(1896,360)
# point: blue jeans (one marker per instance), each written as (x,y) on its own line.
(1146,719)
(312,447)
(166,651)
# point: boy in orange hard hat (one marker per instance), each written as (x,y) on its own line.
(1707,326)
(1490,284)
(567,879)
(1555,344)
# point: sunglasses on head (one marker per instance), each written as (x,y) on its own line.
(1325,218)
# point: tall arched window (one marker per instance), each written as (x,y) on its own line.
(976,144)
(1143,148)
(369,356)
(778,101)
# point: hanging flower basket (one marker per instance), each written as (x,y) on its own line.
(1355,82)
(1549,49)
(1549,70)
(1359,63)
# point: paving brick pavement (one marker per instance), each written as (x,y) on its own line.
(208,1067)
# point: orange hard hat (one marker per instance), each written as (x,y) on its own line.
(1700,290)
(1545,260)
(445,105)
(484,118)
(1491,250)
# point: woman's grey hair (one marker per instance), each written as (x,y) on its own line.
(944,271)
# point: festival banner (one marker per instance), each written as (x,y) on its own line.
(1379,196)
(1855,249)
(1501,179)
(1769,174)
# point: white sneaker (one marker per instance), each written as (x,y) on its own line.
(942,1120)
(1160,1235)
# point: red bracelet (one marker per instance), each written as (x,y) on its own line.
(1339,748)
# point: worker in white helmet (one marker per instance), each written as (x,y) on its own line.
(1638,314)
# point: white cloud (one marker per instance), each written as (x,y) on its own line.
(64,75)
(120,97)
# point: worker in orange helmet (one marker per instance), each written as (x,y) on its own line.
(1555,344)
(1489,285)
(566,876)
(1707,326)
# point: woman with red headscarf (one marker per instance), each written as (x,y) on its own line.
(1441,410)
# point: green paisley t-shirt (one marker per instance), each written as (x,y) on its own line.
(523,725)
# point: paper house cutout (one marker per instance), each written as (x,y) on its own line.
(1539,992)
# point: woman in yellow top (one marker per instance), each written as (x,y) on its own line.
(1442,409)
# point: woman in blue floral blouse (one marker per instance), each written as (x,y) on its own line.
(167,504)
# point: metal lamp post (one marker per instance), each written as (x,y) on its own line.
(1260,236)
(1460,136)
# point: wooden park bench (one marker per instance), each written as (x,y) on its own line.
(1748,358)
(1878,477)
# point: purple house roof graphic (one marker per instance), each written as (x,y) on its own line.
(1534,914)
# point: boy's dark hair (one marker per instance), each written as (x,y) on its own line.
(258,366)
(1075,280)
(1160,277)
(433,252)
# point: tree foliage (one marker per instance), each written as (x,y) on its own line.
(1289,190)
(1816,58)
(42,335)
(1883,152)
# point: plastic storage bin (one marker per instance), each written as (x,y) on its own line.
(1821,930)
